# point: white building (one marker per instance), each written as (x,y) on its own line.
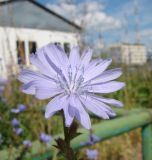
(129,53)
(26,25)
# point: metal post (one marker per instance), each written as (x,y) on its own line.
(147,142)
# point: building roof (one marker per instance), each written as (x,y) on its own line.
(126,44)
(31,14)
(133,44)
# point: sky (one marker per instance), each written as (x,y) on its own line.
(113,20)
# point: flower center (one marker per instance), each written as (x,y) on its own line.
(73,81)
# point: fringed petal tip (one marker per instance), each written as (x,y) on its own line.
(46,116)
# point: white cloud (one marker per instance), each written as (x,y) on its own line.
(64,9)
(89,14)
(147,33)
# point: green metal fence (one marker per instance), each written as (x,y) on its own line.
(125,122)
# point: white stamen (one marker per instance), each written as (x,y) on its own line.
(75,82)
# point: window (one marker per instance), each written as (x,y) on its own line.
(32,47)
(67,47)
(20,52)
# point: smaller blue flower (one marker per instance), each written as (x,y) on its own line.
(45,138)
(14,110)
(18,130)
(91,140)
(15,122)
(94,138)
(92,154)
(21,108)
(27,143)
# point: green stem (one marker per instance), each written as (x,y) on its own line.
(69,153)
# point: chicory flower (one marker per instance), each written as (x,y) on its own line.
(91,140)
(92,154)
(27,143)
(21,108)
(17,130)
(72,83)
(45,138)
(15,122)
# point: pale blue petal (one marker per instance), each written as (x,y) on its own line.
(108,87)
(93,63)
(57,55)
(45,93)
(93,107)
(107,76)
(54,105)
(41,65)
(80,113)
(46,89)
(27,75)
(74,57)
(97,70)
(42,59)
(110,101)
(28,88)
(42,89)
(68,113)
(101,107)
(86,57)
(56,69)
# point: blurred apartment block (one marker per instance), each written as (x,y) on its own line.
(128,53)
(26,25)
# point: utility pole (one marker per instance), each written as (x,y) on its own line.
(127,36)
(126,28)
(136,14)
